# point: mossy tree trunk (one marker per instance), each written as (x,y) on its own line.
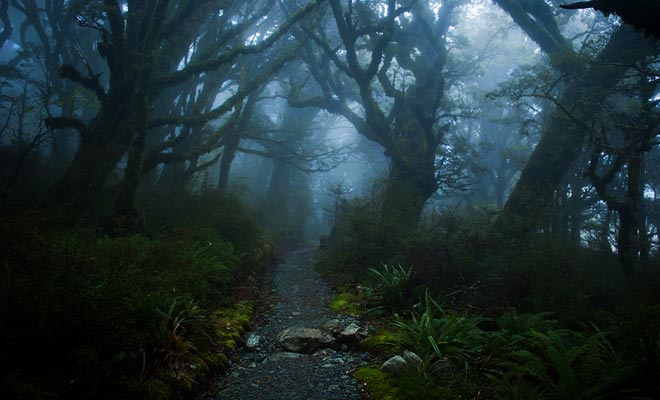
(143,48)
(120,126)
(230,144)
(563,136)
(103,143)
(406,192)
(407,127)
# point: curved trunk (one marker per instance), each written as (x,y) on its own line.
(102,145)
(563,137)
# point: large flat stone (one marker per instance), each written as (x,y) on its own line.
(304,340)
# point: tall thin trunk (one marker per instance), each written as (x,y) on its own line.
(278,190)
(625,242)
(575,218)
(604,234)
(629,217)
(228,154)
(644,240)
(126,202)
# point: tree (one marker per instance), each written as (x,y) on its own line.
(586,84)
(47,38)
(393,59)
(7,27)
(642,14)
(625,133)
(142,44)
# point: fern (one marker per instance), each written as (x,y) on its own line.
(442,338)
(561,364)
(390,285)
(515,323)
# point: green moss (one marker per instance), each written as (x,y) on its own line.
(230,324)
(384,340)
(383,386)
(212,360)
(379,384)
(346,303)
(237,317)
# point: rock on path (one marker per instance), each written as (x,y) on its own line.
(270,370)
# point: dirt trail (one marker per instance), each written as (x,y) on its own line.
(300,299)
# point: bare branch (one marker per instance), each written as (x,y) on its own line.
(241,94)
(91,81)
(229,56)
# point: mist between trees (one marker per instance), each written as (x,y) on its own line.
(368,124)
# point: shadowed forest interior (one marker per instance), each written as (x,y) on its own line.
(478,180)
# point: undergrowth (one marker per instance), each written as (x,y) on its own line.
(149,316)
(492,316)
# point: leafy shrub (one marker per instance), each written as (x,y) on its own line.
(356,241)
(527,356)
(85,317)
(449,344)
(512,323)
(560,364)
(637,338)
(222,215)
(390,286)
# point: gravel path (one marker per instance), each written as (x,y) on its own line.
(265,372)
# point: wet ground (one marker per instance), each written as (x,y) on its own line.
(298,298)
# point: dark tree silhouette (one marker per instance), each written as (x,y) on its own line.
(642,14)
(400,86)
(562,138)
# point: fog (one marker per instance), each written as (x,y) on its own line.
(472,140)
(421,107)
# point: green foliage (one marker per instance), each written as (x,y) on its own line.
(382,386)
(183,314)
(390,286)
(637,336)
(513,323)
(527,356)
(356,241)
(449,344)
(559,364)
(84,316)
(222,216)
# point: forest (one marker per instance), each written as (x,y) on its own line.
(462,187)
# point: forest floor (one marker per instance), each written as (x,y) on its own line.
(296,296)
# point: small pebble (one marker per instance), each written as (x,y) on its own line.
(300,298)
